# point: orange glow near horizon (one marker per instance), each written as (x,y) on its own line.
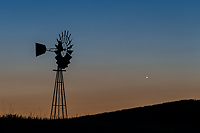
(87,94)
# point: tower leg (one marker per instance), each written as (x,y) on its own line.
(59,106)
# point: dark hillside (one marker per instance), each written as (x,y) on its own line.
(178,116)
(175,116)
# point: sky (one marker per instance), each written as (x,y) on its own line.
(117,43)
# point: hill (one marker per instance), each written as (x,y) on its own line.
(177,116)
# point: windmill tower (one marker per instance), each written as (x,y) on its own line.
(63,55)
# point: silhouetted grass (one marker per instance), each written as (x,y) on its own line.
(178,116)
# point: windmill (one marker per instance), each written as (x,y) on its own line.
(63,51)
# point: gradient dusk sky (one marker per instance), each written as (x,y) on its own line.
(117,44)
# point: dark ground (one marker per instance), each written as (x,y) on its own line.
(179,116)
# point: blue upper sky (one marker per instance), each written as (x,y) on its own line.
(105,28)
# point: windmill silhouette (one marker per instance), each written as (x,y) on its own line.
(63,55)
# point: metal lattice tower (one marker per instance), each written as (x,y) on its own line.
(59,106)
